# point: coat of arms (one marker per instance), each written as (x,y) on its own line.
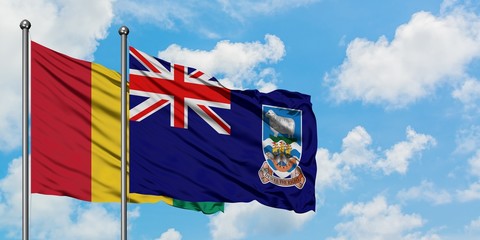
(282,147)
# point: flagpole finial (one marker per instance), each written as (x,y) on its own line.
(123,30)
(25,24)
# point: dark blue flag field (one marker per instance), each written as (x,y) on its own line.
(195,140)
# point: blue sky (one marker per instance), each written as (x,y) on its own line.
(395,88)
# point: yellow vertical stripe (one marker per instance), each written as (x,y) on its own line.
(105,130)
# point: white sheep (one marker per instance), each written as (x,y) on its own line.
(279,124)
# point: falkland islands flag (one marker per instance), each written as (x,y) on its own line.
(195,140)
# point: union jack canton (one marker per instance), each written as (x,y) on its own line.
(165,84)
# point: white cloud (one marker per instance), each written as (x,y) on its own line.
(448,5)
(134,214)
(170,234)
(473,226)
(470,194)
(11,196)
(241,220)
(238,63)
(336,168)
(334,172)
(244,9)
(398,157)
(474,163)
(425,191)
(357,152)
(268,80)
(413,65)
(131,216)
(89,222)
(420,236)
(61,25)
(471,231)
(161,12)
(191,13)
(468,94)
(377,220)
(53,217)
(468,140)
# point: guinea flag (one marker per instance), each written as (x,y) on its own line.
(75,132)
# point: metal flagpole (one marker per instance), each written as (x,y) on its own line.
(25,26)
(123,31)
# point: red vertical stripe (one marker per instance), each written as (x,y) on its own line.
(179,100)
(61,125)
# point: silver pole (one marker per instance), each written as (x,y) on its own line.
(25,26)
(123,31)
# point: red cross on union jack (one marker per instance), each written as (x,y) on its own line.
(164,84)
